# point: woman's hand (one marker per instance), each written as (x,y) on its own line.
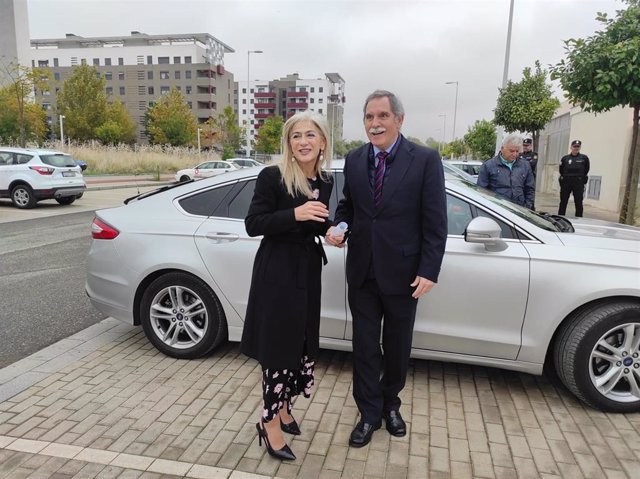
(311,211)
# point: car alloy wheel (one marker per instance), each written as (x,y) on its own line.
(597,356)
(22,197)
(182,316)
(615,363)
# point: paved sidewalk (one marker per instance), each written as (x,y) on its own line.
(105,404)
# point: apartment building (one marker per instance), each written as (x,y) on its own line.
(14,37)
(140,68)
(288,95)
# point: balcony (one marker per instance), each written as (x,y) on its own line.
(210,90)
(262,94)
(269,106)
(297,94)
(262,116)
(298,105)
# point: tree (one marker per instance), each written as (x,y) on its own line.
(118,127)
(602,72)
(353,144)
(170,121)
(415,140)
(433,143)
(83,103)
(21,118)
(32,126)
(526,106)
(226,131)
(481,139)
(455,149)
(269,135)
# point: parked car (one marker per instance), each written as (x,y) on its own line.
(518,290)
(457,172)
(468,166)
(244,162)
(205,170)
(82,164)
(31,175)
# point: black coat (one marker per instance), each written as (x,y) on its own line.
(283,311)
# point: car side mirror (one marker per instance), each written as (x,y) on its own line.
(485,231)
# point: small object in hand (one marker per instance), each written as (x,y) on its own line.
(340,229)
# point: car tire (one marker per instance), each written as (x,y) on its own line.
(66,200)
(79,196)
(22,197)
(184,178)
(182,316)
(597,356)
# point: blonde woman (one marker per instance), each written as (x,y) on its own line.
(281,329)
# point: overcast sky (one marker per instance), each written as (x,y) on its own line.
(409,47)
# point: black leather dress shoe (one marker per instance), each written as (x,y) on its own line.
(395,424)
(362,433)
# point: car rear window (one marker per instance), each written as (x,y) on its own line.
(57,160)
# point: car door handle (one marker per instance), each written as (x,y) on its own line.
(221,237)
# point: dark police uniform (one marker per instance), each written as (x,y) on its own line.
(530,157)
(573,176)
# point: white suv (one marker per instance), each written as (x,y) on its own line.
(30,175)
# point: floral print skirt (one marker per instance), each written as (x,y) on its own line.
(284,385)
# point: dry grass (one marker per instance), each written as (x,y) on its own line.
(122,160)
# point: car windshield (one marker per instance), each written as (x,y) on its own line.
(58,159)
(547,222)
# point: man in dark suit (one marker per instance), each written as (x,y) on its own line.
(395,206)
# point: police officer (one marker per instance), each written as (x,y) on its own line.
(574,169)
(529,155)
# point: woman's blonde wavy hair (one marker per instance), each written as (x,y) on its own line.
(292,175)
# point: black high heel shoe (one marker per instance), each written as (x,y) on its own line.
(284,454)
(291,428)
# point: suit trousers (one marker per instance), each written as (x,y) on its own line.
(570,185)
(378,379)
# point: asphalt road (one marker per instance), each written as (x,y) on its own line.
(43,255)
(42,275)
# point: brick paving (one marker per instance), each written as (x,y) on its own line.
(105,404)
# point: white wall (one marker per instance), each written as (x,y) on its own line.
(606,140)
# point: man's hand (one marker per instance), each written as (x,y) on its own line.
(311,211)
(334,240)
(422,285)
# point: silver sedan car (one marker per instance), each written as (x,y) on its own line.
(518,290)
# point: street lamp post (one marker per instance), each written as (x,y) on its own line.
(62,130)
(444,128)
(455,109)
(249,52)
(505,73)
(199,130)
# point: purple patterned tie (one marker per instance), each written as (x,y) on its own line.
(379,178)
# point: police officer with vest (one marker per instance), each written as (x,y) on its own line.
(574,169)
(530,157)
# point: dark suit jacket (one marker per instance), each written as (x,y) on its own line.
(406,235)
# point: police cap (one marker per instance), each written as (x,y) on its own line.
(527,141)
(576,143)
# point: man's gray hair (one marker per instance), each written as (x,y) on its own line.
(512,140)
(396,104)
